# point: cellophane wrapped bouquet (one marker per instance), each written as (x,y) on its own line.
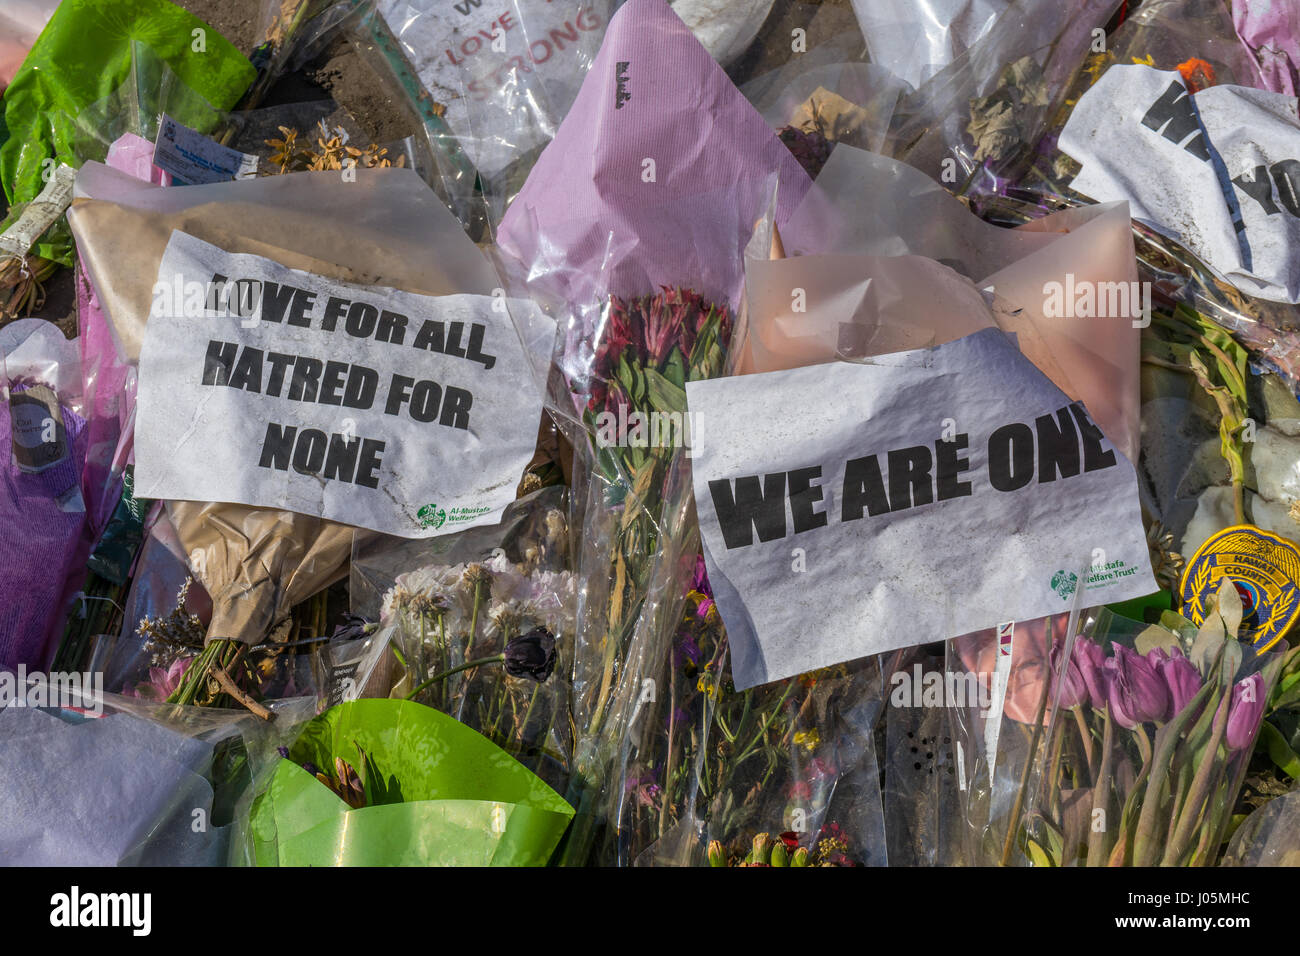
(490,641)
(1137,743)
(783,774)
(633,228)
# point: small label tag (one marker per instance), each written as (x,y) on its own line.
(193,159)
(40,213)
(342,682)
(36,421)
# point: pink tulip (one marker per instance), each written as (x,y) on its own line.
(1180,676)
(1246,711)
(1091,661)
(1069,687)
(1136,691)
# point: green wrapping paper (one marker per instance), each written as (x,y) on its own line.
(87,52)
(451,797)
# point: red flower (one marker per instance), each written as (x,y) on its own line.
(790,839)
(616,335)
(664,315)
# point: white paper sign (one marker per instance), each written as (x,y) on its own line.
(1218,170)
(408,414)
(851,509)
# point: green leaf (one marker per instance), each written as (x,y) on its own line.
(1288,693)
(378,789)
(674,369)
(1156,636)
(1037,854)
(664,395)
(1279,751)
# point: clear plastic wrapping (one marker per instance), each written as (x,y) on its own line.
(1128,745)
(715,776)
(476,596)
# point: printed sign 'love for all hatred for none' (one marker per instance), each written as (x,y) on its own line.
(408,414)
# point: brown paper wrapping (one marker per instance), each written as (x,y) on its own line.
(383,228)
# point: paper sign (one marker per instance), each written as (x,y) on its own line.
(850,509)
(1218,170)
(194,159)
(262,385)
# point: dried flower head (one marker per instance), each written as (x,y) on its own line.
(177,635)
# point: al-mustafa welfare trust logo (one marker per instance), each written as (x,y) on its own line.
(1065,582)
(431,516)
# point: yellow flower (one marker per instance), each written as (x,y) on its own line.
(808,739)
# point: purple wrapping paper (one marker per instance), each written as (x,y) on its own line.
(1270,29)
(588,222)
(39,544)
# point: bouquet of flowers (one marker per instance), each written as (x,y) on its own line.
(642,251)
(712,771)
(1141,758)
(490,642)
(395,783)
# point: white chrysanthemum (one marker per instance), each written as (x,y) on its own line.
(426,590)
(509,585)
(509,619)
(553,595)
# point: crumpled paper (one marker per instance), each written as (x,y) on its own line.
(887,260)
(1270,29)
(117,790)
(666,168)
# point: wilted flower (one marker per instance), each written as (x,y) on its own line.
(477,574)
(1246,711)
(353,627)
(531,655)
(616,400)
(617,335)
(508,617)
(662,327)
(643,788)
(810,148)
(1137,693)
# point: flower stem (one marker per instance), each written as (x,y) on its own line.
(1085,735)
(478,662)
(1200,789)
(1013,822)
(1097,853)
